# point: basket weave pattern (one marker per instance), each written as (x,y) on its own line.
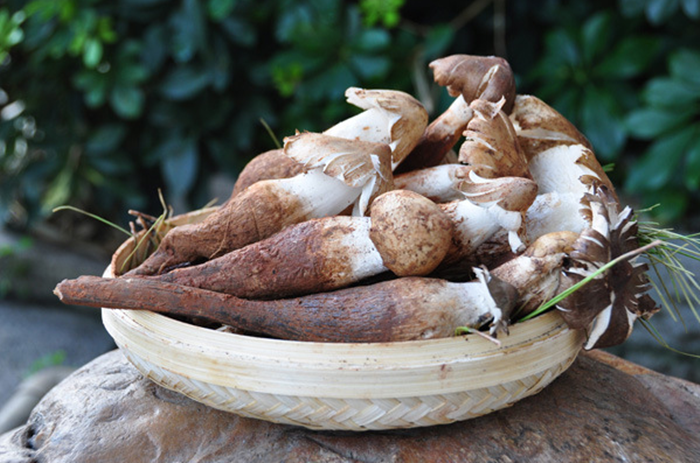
(354,414)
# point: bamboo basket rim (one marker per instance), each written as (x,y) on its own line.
(342,370)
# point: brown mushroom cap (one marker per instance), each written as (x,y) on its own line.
(411,233)
(484,77)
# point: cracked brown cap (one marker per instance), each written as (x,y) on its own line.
(476,77)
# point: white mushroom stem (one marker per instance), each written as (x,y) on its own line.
(390,116)
(473,225)
(564,174)
(438,183)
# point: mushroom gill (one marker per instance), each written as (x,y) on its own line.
(608,305)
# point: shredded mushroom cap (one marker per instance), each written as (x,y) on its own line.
(540,127)
(609,304)
(491,144)
(358,164)
(391,116)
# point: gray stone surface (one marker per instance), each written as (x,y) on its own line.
(30,332)
(599,410)
(35,326)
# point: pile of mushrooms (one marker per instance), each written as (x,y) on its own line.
(382,228)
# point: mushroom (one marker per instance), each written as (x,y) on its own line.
(564,175)
(340,173)
(487,78)
(540,127)
(536,273)
(411,233)
(438,183)
(389,116)
(497,204)
(360,165)
(491,144)
(403,309)
(467,78)
(405,233)
(267,166)
(610,303)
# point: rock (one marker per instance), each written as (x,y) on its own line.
(601,409)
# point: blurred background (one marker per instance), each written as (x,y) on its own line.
(104,102)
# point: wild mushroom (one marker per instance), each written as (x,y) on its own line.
(536,273)
(608,305)
(340,173)
(269,165)
(564,175)
(389,116)
(487,78)
(488,207)
(540,127)
(405,233)
(467,78)
(396,310)
(491,144)
(438,183)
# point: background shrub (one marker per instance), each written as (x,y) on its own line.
(104,102)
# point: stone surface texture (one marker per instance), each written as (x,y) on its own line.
(602,409)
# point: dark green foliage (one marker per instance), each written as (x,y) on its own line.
(104,102)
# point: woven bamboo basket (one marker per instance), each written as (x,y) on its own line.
(336,386)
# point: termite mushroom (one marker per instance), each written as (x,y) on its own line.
(467,78)
(405,233)
(536,273)
(340,173)
(608,305)
(390,116)
(438,183)
(403,309)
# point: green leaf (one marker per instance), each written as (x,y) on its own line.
(240,32)
(155,46)
(596,34)
(629,58)
(437,41)
(631,7)
(562,48)
(665,92)
(127,101)
(370,67)
(685,65)
(330,84)
(131,73)
(602,124)
(298,21)
(220,9)
(187,28)
(691,8)
(659,11)
(692,165)
(92,53)
(649,123)
(372,40)
(105,139)
(673,203)
(179,166)
(656,168)
(58,191)
(184,82)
